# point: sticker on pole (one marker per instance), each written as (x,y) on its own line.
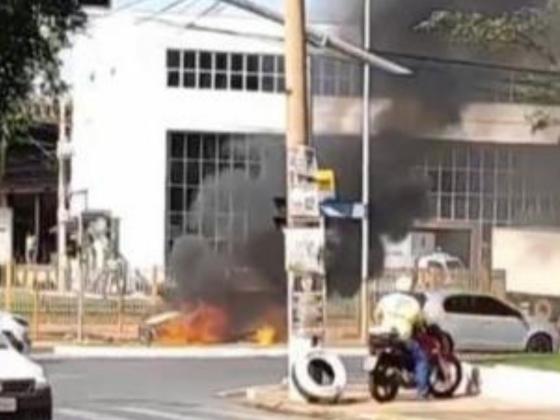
(305,250)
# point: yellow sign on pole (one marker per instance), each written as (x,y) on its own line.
(326,183)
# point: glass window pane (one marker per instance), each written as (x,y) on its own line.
(192,194)
(488,212)
(236,82)
(474,181)
(224,149)
(280,67)
(253,83)
(206,60)
(176,175)
(209,147)
(488,182)
(280,84)
(189,59)
(433,176)
(503,209)
(268,64)
(237,62)
(189,80)
(221,61)
(447,181)
(253,63)
(209,169)
(205,80)
(446,207)
(193,173)
(267,83)
(177,145)
(193,146)
(460,207)
(176,199)
(173,58)
(460,181)
(173,79)
(220,81)
(474,207)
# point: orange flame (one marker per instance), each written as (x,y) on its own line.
(205,324)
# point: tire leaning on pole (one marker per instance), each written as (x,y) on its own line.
(319,376)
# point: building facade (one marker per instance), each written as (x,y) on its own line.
(163,105)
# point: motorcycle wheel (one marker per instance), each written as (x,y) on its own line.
(384,382)
(439,386)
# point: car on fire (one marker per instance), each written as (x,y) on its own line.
(24,389)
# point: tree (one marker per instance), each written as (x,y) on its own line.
(528,30)
(32,35)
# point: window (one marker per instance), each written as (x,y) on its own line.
(238,71)
(459,305)
(173,68)
(195,206)
(220,70)
(478,305)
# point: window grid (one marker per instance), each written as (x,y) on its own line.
(493,185)
(193,205)
(238,71)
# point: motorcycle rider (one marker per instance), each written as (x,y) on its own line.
(401,314)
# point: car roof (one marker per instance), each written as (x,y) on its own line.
(443,294)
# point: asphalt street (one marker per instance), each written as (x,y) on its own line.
(184,389)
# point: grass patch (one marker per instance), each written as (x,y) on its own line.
(534,361)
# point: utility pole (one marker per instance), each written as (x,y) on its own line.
(62,211)
(297,135)
(365,304)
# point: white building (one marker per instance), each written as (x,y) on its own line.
(156,98)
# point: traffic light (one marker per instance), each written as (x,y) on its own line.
(280,213)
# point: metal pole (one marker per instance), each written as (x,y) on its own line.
(297,134)
(365,177)
(61,213)
(82,272)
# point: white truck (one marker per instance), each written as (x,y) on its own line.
(529,260)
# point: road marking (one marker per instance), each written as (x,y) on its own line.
(88,415)
(156,414)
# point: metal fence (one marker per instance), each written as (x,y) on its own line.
(55,316)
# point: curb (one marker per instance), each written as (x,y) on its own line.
(188,352)
(521,385)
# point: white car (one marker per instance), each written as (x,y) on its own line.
(479,322)
(16,329)
(24,388)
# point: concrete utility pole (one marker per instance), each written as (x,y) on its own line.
(365,177)
(297,135)
(62,212)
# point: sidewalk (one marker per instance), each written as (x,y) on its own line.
(358,404)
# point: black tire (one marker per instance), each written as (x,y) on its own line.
(384,382)
(447,343)
(456,370)
(540,343)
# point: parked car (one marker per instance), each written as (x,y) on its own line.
(24,389)
(16,330)
(479,322)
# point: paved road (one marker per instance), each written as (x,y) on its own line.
(159,389)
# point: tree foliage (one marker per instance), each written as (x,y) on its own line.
(32,35)
(528,28)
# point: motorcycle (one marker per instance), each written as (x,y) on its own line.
(394,367)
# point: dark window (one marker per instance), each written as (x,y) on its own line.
(189,58)
(173,59)
(206,61)
(237,62)
(253,63)
(189,80)
(459,305)
(173,79)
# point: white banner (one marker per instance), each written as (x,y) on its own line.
(6,234)
(305,250)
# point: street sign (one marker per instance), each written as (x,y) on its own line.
(6,235)
(325,180)
(305,250)
(303,197)
(343,210)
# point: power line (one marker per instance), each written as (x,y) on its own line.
(161,11)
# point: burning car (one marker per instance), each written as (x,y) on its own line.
(206,324)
